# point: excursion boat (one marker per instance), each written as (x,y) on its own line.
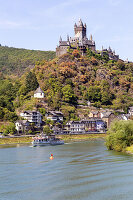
(46,140)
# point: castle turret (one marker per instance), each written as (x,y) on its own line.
(91,37)
(67,38)
(110,50)
(60,40)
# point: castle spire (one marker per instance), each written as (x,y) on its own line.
(75,25)
(67,38)
(60,39)
(110,49)
(91,37)
(80,22)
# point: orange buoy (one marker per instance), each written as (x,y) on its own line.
(51,157)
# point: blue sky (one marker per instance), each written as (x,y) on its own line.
(38,24)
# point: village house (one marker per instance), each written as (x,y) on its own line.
(94,114)
(123,117)
(130,111)
(56,130)
(101,125)
(108,117)
(81,127)
(39,93)
(33,117)
(22,126)
(56,116)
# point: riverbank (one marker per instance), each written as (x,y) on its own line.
(82,137)
(27,139)
(15,140)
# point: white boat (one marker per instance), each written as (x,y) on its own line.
(46,140)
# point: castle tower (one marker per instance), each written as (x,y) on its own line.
(80,29)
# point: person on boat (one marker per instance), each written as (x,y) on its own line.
(51,157)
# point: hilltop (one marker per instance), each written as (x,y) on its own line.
(16,61)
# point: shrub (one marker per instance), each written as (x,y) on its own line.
(120,135)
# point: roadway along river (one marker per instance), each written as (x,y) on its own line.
(79,171)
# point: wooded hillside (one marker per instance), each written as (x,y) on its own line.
(15,60)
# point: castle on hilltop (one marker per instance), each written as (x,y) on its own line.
(81,42)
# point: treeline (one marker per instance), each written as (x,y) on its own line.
(15,60)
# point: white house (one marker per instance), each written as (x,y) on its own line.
(54,116)
(22,126)
(33,117)
(39,93)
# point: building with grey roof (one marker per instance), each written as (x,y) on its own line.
(39,93)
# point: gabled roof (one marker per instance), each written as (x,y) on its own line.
(106,114)
(38,90)
(22,122)
(94,112)
(55,113)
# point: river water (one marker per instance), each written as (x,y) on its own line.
(79,171)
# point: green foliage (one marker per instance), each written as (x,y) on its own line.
(93,93)
(69,112)
(121,65)
(47,130)
(9,129)
(42,111)
(120,135)
(8,92)
(68,94)
(14,60)
(31,82)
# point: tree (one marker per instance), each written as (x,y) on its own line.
(68,94)
(121,65)
(42,111)
(120,135)
(1,113)
(10,129)
(31,82)
(93,93)
(47,130)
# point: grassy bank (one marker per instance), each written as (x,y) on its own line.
(19,140)
(16,140)
(82,137)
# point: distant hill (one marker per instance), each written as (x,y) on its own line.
(16,61)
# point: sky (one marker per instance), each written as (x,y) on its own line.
(38,24)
